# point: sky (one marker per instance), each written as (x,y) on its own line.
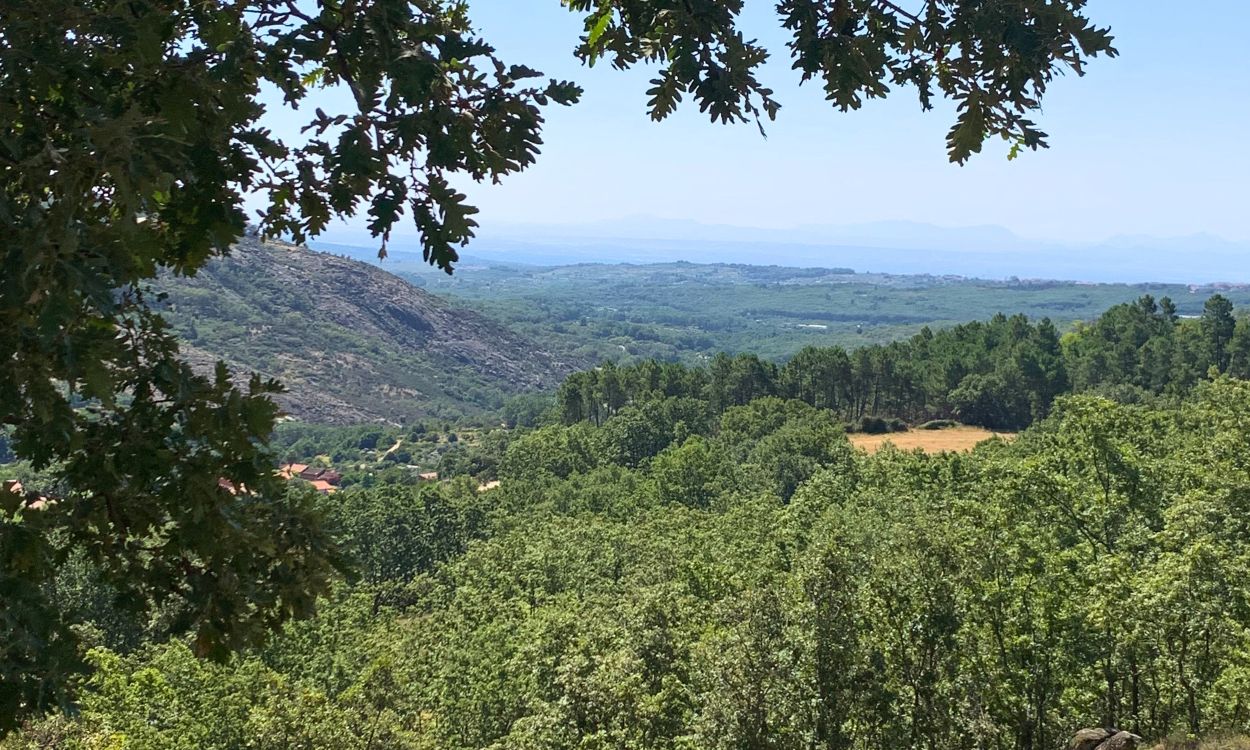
(1150,143)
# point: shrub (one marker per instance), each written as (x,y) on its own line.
(401,456)
(873,425)
(894,424)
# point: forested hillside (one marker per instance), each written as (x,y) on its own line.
(661,554)
(350,342)
(745,582)
(696,557)
(1002,373)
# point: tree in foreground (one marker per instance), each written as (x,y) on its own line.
(133,132)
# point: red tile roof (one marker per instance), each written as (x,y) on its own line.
(288,471)
(319,478)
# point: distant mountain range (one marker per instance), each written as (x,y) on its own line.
(896,247)
(352,343)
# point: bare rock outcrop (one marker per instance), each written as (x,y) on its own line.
(1103,738)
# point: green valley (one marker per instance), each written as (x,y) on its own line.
(689,312)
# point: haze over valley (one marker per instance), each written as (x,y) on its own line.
(897,247)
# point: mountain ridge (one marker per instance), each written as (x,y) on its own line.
(351,342)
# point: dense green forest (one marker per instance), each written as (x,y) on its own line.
(749,582)
(1003,373)
(695,557)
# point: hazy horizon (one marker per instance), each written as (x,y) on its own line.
(1139,183)
(1139,146)
(898,247)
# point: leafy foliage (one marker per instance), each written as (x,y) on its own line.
(994,61)
(131,134)
(1086,573)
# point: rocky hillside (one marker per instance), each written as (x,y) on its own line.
(351,342)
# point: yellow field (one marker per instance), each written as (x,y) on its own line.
(961,438)
(1231,742)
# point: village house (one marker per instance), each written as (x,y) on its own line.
(325,481)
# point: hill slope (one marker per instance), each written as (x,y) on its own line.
(351,342)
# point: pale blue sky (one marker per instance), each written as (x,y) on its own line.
(1152,142)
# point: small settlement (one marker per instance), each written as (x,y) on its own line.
(325,481)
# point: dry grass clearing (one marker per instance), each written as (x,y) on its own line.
(961,438)
(1229,742)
